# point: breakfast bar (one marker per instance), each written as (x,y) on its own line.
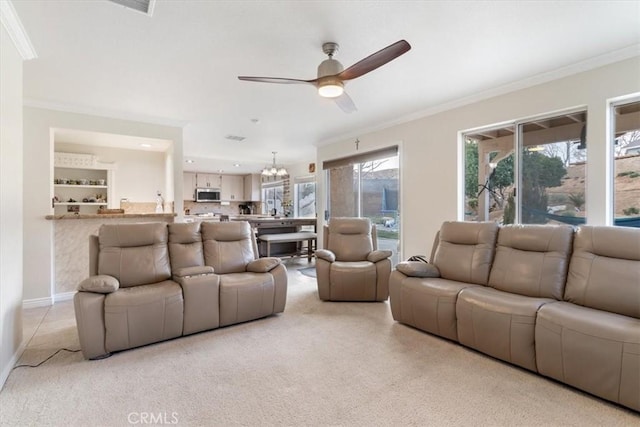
(71,243)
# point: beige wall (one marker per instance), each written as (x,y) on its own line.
(11,221)
(38,151)
(431,158)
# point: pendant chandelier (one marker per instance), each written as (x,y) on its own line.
(274,170)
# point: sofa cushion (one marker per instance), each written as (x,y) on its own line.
(246,296)
(426,303)
(465,250)
(142,315)
(352,281)
(135,254)
(350,238)
(228,246)
(185,245)
(605,270)
(500,324)
(590,349)
(532,260)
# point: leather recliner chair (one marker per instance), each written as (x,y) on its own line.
(350,267)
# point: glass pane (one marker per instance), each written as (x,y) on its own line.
(380,199)
(343,191)
(305,199)
(553,154)
(272,200)
(489,175)
(627,164)
(370,190)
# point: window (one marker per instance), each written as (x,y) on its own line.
(626,158)
(272,197)
(367,185)
(528,172)
(304,197)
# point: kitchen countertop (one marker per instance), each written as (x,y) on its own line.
(249,218)
(104,216)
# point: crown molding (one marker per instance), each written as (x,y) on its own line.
(569,70)
(13,25)
(100,112)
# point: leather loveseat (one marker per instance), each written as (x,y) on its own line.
(151,282)
(559,302)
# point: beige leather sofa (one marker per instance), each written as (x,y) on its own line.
(350,267)
(563,303)
(152,282)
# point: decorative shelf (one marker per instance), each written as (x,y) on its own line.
(81,203)
(79,186)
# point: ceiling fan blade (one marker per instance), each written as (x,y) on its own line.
(375,60)
(345,103)
(276,80)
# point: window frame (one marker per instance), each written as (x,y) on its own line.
(610,124)
(518,140)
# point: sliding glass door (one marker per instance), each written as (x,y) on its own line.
(368,185)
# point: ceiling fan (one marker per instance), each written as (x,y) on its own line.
(332,75)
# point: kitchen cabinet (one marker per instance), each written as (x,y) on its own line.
(232,188)
(208,180)
(188,185)
(252,188)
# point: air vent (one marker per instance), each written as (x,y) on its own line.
(235,138)
(144,6)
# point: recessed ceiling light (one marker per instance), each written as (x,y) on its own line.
(145,145)
(190,161)
(220,170)
(236,165)
(255,121)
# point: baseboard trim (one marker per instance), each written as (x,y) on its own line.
(47,301)
(65,296)
(14,359)
(37,302)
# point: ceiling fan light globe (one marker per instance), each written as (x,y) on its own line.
(331,90)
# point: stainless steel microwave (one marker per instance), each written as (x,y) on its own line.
(207,195)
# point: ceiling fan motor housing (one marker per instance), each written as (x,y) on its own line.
(329,67)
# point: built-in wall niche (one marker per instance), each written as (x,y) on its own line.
(81,184)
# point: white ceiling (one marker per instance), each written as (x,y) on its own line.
(180,65)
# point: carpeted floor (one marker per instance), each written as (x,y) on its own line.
(318,363)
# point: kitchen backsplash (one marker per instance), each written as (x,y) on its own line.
(233,208)
(144,207)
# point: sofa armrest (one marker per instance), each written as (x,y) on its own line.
(326,255)
(263,265)
(418,269)
(378,255)
(100,284)
(193,271)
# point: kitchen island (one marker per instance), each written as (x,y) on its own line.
(262,224)
(71,243)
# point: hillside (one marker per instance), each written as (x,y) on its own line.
(627,185)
